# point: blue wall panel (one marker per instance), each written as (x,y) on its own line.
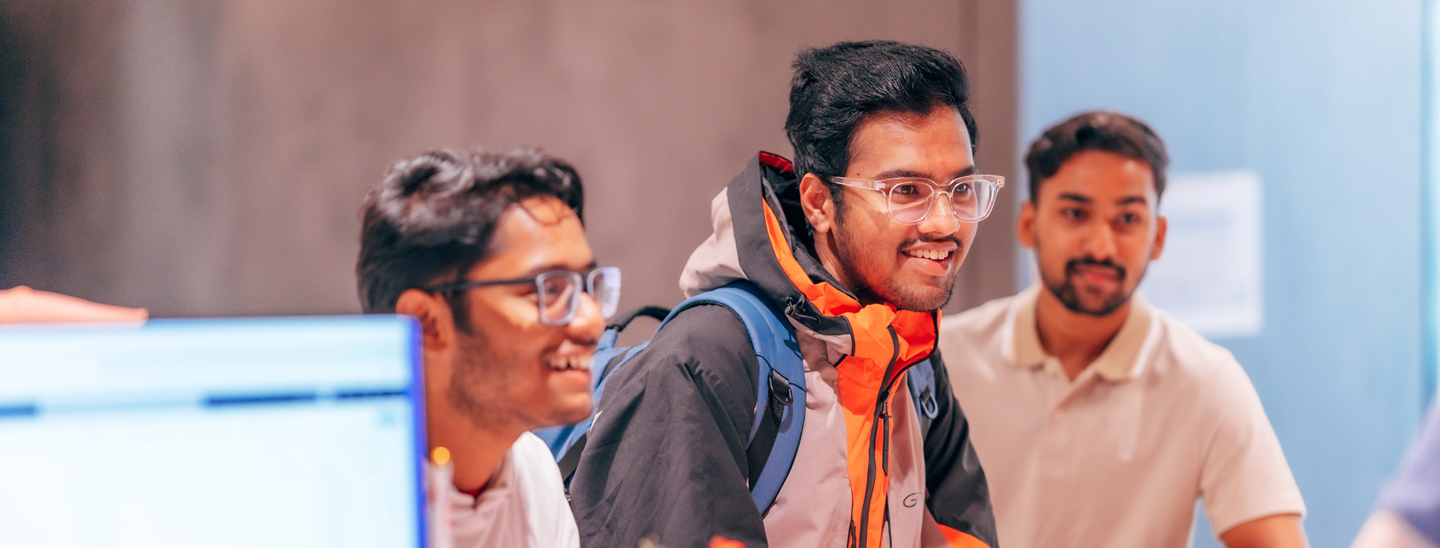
(1323,99)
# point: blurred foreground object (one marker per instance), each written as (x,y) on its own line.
(224,433)
(1408,515)
(24,305)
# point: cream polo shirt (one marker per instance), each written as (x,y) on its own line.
(1117,457)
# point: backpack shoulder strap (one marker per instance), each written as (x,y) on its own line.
(567,441)
(775,432)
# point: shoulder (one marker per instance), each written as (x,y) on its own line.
(702,327)
(539,484)
(534,466)
(1180,349)
(976,336)
(1208,372)
(981,321)
(1185,345)
(704,348)
(702,340)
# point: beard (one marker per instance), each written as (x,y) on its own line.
(1065,291)
(491,385)
(856,259)
(472,385)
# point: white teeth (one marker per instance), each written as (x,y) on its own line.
(932,254)
(568,362)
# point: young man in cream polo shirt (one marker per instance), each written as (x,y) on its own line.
(1099,419)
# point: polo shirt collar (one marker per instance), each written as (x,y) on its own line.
(1118,362)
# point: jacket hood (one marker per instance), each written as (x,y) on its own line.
(760,235)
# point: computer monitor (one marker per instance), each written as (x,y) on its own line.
(236,432)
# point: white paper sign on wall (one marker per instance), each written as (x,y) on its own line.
(1211,274)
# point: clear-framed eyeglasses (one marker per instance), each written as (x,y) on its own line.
(559,292)
(909,200)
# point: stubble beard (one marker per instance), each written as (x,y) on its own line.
(903,298)
(471,385)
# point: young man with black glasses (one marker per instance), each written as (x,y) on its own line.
(488,252)
(857,245)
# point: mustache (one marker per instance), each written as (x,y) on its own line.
(1074,264)
(958,244)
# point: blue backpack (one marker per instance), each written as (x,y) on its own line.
(780,402)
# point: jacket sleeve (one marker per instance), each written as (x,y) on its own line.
(959,498)
(666,454)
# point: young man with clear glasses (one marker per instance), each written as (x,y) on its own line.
(1099,418)
(860,273)
(488,252)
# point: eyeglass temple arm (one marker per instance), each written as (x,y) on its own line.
(453,286)
(857,183)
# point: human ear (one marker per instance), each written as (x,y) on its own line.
(1160,227)
(815,200)
(437,325)
(1025,225)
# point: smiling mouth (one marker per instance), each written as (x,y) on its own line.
(932,254)
(569,363)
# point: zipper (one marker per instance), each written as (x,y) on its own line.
(880,414)
(885,450)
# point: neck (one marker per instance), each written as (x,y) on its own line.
(829,259)
(475,452)
(1075,339)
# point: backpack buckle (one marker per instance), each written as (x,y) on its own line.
(780,388)
(928,405)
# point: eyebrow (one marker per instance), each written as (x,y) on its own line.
(1075,197)
(1131,200)
(556,266)
(908,173)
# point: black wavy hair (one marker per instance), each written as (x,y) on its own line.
(1103,130)
(836,87)
(433,217)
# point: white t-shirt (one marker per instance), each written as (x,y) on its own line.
(1116,457)
(523,506)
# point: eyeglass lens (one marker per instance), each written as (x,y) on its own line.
(560,294)
(910,201)
(604,287)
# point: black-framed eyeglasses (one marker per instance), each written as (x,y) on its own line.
(559,291)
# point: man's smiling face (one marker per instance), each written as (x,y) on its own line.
(912,266)
(511,368)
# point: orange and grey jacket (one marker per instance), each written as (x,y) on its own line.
(666,457)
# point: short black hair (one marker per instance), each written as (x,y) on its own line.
(1103,130)
(433,217)
(836,87)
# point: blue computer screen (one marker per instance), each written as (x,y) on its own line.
(250,432)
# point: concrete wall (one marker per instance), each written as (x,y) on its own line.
(1324,101)
(208,157)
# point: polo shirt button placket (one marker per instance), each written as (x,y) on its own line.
(1055,453)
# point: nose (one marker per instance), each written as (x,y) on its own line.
(1100,243)
(942,220)
(588,323)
